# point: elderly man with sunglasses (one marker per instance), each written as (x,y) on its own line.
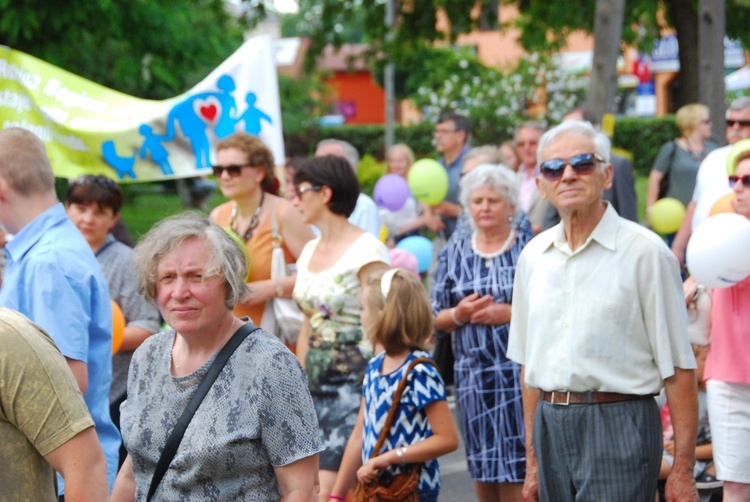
(599,324)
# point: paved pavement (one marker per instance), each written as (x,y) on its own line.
(457,484)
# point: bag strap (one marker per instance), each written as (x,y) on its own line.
(276,238)
(671,157)
(173,442)
(396,401)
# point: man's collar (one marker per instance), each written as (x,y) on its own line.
(29,235)
(605,233)
(457,160)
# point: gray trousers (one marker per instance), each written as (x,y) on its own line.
(598,452)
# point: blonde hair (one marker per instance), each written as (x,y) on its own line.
(403,147)
(402,320)
(689,116)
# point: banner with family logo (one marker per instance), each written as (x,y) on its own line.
(90,129)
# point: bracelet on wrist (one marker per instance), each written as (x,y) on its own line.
(454,318)
(400,452)
(336,497)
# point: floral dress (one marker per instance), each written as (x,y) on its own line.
(338,350)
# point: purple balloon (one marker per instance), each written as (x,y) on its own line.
(391,192)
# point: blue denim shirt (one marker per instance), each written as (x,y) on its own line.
(53,278)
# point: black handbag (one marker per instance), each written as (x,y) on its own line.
(174,439)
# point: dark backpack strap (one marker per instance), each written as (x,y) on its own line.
(173,442)
(396,401)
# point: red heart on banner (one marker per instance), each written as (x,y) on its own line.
(209,112)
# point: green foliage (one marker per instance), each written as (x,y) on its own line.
(151,49)
(335,22)
(302,101)
(643,137)
(369,172)
(369,139)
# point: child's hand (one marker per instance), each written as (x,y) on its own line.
(669,447)
(369,471)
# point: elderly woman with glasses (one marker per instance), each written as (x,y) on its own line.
(471,298)
(330,273)
(244,169)
(93,204)
(254,436)
(728,365)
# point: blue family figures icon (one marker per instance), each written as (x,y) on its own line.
(122,165)
(225,124)
(192,115)
(152,144)
(253,116)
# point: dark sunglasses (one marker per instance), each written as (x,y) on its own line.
(301,190)
(233,171)
(733,179)
(742,123)
(584,163)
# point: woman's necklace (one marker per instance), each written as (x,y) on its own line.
(697,155)
(234,226)
(488,257)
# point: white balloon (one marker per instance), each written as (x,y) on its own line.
(718,253)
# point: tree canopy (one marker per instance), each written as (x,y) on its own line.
(152,49)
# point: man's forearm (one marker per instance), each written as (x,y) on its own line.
(682,396)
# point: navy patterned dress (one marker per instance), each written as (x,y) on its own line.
(488,384)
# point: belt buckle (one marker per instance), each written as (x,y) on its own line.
(560,403)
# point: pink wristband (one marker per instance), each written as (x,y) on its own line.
(337,497)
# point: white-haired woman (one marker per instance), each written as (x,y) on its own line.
(255,435)
(471,298)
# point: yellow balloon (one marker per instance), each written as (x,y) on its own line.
(666,215)
(118,327)
(724,205)
(383,234)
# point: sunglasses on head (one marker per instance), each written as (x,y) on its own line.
(233,171)
(742,123)
(733,179)
(584,163)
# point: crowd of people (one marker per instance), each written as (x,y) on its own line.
(555,324)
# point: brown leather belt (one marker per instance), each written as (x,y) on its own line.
(566,398)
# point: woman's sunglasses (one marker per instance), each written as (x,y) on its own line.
(584,163)
(233,171)
(733,179)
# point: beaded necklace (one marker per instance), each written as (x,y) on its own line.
(234,226)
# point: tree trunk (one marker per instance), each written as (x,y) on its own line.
(685,22)
(711,31)
(607,35)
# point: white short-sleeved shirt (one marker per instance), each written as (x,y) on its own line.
(711,183)
(608,317)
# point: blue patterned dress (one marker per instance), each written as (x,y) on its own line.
(488,384)
(424,386)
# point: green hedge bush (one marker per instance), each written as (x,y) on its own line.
(642,137)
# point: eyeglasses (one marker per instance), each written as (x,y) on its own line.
(233,171)
(522,144)
(733,179)
(311,188)
(584,163)
(742,123)
(445,131)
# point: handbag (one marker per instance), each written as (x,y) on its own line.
(664,183)
(402,487)
(282,316)
(175,437)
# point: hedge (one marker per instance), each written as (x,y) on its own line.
(642,137)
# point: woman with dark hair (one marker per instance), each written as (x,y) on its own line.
(244,170)
(330,273)
(93,204)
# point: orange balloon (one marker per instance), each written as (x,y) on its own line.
(118,327)
(724,205)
